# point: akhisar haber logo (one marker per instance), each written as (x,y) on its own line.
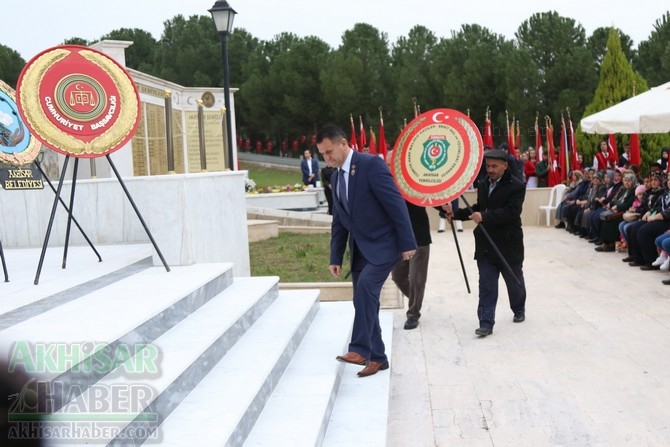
(434,154)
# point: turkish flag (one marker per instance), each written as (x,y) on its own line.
(635,156)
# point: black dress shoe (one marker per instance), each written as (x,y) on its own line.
(484,331)
(650,267)
(411,324)
(634,264)
(558,225)
(628,259)
(666,282)
(519,317)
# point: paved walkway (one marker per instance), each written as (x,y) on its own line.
(589,367)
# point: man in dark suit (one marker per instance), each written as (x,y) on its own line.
(370,213)
(498,210)
(309,168)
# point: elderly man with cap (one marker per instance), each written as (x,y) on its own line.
(498,213)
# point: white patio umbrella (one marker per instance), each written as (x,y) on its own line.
(648,112)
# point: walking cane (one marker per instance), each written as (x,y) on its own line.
(495,247)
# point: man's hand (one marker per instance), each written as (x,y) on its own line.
(407,255)
(448,211)
(335,270)
(476,217)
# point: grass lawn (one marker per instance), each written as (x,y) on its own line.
(266,176)
(295,257)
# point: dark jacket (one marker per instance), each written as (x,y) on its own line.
(420,223)
(501,217)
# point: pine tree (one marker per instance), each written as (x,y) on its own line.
(618,82)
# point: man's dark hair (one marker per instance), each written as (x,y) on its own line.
(330,132)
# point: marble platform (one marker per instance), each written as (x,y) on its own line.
(305,200)
(193,218)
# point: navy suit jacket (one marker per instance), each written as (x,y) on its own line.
(377,222)
(305,170)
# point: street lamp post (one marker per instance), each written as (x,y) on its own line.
(223,15)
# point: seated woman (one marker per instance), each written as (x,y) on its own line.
(644,232)
(597,193)
(609,229)
(653,183)
(612,194)
(637,209)
(576,190)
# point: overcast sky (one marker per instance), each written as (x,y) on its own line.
(30,26)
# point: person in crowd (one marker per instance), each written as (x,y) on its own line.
(609,227)
(597,192)
(370,214)
(662,243)
(624,158)
(498,212)
(663,161)
(644,200)
(611,197)
(575,206)
(643,233)
(542,172)
(577,189)
(530,169)
(309,168)
(410,275)
(326,173)
(603,159)
(515,166)
(581,165)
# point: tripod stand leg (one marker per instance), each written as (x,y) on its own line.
(137,211)
(4,264)
(69,212)
(74,220)
(51,221)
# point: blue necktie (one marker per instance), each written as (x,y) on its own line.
(342,190)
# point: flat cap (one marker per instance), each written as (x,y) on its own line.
(496,154)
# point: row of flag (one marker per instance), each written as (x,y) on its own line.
(376,147)
(558,166)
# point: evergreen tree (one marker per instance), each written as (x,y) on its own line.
(618,82)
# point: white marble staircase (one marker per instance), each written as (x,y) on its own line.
(238,362)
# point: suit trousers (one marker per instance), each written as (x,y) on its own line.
(410,277)
(489,273)
(368,280)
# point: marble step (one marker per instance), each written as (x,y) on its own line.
(223,408)
(298,412)
(361,410)
(126,314)
(183,355)
(22,299)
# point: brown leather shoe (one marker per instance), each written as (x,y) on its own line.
(372,368)
(352,357)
